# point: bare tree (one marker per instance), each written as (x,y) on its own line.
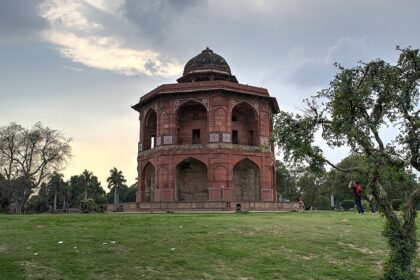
(30,156)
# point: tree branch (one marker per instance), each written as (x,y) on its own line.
(410,211)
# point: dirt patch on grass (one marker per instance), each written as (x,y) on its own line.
(335,261)
(37,271)
(3,248)
(307,258)
(364,250)
(377,266)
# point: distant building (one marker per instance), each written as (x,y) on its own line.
(204,142)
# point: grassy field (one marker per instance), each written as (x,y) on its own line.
(319,245)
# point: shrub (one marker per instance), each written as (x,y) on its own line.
(365,205)
(87,205)
(396,204)
(347,204)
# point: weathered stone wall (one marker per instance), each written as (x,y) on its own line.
(246,183)
(191,181)
(177,115)
(203,206)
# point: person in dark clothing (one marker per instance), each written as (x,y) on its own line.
(357,193)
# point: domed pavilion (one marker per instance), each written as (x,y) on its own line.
(204,142)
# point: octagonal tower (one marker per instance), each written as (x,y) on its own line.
(204,142)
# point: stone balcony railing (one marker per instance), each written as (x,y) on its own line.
(203,147)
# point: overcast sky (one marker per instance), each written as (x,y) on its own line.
(78,66)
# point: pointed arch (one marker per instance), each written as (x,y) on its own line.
(191,123)
(149,182)
(150,129)
(245,128)
(191,180)
(246,181)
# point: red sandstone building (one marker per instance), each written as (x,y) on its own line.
(204,142)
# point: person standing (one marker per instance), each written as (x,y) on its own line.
(372,204)
(357,193)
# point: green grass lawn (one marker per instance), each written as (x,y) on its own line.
(319,245)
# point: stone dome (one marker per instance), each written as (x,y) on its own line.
(207,66)
(207,59)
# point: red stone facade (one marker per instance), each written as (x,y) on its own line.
(206,139)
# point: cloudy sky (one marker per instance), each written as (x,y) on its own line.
(78,66)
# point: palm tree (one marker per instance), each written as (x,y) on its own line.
(115,180)
(87,178)
(56,185)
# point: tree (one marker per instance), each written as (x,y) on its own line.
(286,181)
(358,103)
(29,156)
(312,190)
(86,185)
(116,180)
(398,182)
(5,197)
(131,193)
(87,177)
(39,203)
(57,187)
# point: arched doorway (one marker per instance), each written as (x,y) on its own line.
(191,181)
(150,124)
(245,125)
(191,123)
(149,182)
(246,181)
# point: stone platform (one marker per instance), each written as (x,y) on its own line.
(203,206)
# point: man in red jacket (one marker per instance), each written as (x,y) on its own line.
(357,193)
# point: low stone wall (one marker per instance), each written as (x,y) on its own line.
(202,206)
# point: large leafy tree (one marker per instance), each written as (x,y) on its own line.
(116,181)
(359,102)
(83,186)
(286,181)
(30,156)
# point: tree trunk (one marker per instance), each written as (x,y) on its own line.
(115,195)
(400,265)
(18,207)
(55,201)
(85,194)
(401,235)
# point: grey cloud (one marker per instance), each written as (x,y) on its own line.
(19,19)
(318,71)
(154,18)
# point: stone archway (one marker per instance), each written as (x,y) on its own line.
(246,181)
(191,181)
(245,129)
(150,130)
(149,182)
(191,123)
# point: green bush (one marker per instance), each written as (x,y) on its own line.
(87,205)
(365,205)
(396,204)
(347,204)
